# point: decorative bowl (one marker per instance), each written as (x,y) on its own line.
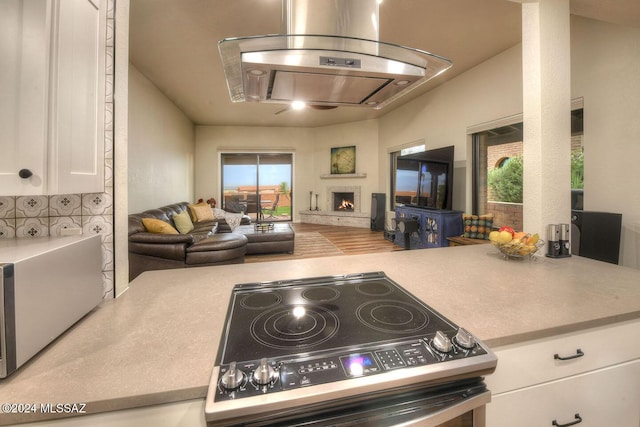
(517,249)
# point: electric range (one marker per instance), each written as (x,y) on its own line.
(299,347)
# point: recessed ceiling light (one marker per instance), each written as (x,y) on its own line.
(255,72)
(402,82)
(298,105)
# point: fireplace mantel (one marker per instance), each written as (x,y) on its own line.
(349,219)
(343,175)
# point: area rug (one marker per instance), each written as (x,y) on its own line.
(307,245)
(313,245)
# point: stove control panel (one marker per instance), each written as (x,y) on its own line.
(243,379)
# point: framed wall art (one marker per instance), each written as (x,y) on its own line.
(343,160)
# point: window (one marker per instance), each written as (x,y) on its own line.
(497,171)
(258,184)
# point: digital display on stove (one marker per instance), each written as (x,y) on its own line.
(356,365)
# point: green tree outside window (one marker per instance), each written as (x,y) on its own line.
(505,182)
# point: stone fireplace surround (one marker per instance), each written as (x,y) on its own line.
(327,216)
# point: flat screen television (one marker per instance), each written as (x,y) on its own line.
(425,179)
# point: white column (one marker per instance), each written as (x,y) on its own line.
(546,111)
(120,145)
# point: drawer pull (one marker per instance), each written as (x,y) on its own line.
(578,420)
(579,353)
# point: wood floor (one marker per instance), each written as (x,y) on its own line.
(313,240)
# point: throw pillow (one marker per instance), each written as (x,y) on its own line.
(158,226)
(183,222)
(477,227)
(201,212)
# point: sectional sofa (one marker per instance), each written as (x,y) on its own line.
(209,242)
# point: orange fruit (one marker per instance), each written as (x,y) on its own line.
(519,235)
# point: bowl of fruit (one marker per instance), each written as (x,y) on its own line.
(515,244)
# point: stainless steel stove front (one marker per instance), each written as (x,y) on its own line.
(429,378)
(383,400)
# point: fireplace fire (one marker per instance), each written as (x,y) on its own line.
(343,202)
(346,205)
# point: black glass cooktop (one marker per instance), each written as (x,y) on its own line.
(322,314)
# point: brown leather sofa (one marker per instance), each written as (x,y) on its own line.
(203,246)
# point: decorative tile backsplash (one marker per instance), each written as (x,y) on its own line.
(38,216)
(41,216)
(65,205)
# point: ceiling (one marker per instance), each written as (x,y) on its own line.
(174,44)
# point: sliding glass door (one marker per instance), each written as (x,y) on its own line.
(258,184)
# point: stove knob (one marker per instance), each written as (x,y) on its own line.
(442,343)
(233,378)
(264,373)
(464,339)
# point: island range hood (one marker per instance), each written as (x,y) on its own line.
(329,56)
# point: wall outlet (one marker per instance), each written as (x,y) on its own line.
(71,231)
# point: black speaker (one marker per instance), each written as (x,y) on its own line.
(378,201)
(596,235)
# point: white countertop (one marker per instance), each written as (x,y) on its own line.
(14,250)
(157,343)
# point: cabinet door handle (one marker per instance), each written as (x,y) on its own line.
(25,173)
(578,420)
(579,353)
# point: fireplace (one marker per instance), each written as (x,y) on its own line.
(329,213)
(344,201)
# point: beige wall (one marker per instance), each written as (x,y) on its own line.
(311,150)
(364,135)
(161,148)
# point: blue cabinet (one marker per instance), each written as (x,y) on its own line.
(434,226)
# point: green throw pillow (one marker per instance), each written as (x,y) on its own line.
(183,222)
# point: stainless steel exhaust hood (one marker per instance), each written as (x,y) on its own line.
(329,56)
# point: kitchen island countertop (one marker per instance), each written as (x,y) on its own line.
(157,343)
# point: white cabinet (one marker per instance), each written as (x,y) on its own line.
(599,381)
(76,137)
(24,86)
(605,397)
(53,109)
